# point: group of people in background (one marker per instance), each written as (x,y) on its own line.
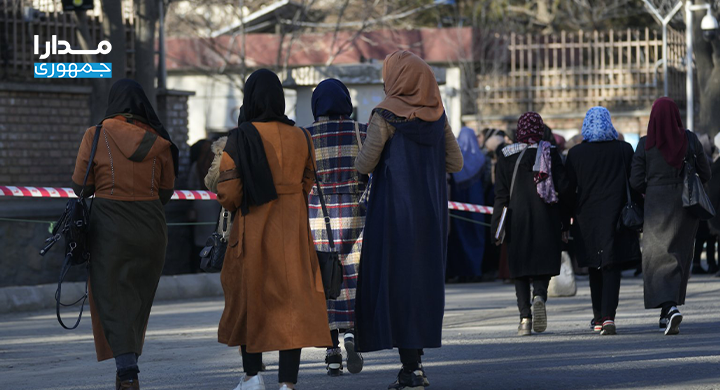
(386,187)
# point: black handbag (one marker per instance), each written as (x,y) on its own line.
(73,226)
(632,215)
(694,197)
(330,266)
(213,255)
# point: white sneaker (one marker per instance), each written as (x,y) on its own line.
(284,387)
(254,383)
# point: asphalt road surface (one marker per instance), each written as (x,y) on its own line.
(480,348)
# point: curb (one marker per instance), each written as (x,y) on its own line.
(171,287)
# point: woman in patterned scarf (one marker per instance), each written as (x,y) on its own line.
(598,170)
(529,176)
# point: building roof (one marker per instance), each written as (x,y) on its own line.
(436,46)
(265,19)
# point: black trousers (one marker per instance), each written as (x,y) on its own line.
(410,358)
(522,291)
(289,364)
(605,292)
(705,237)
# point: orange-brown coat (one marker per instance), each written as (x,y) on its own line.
(274,297)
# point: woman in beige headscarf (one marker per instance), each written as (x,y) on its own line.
(401,287)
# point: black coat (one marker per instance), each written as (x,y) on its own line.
(598,174)
(714,193)
(669,230)
(534,228)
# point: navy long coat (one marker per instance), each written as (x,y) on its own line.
(401,286)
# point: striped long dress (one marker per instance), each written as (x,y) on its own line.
(336,148)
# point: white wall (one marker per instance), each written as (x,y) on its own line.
(216,103)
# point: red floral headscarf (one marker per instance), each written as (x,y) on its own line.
(530,128)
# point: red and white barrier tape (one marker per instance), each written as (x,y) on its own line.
(49,192)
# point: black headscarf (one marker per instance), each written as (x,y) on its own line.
(263,101)
(128,98)
(331,98)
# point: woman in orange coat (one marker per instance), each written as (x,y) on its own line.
(274,297)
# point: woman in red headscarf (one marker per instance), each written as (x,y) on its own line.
(669,231)
(530,181)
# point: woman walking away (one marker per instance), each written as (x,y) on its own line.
(467,239)
(598,170)
(401,285)
(274,297)
(337,140)
(529,175)
(669,230)
(132,178)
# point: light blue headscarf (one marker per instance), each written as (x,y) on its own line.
(597,126)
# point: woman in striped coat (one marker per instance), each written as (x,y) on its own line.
(337,140)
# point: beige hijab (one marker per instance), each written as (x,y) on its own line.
(411,90)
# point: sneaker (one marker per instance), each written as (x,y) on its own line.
(674,318)
(596,326)
(608,328)
(354,358)
(254,383)
(663,323)
(130,384)
(426,382)
(539,315)
(524,328)
(334,359)
(409,381)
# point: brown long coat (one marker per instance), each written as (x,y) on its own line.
(274,297)
(132,175)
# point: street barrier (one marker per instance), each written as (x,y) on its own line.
(51,192)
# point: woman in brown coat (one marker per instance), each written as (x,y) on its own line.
(274,297)
(132,178)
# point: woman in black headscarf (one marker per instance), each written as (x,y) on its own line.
(132,178)
(274,297)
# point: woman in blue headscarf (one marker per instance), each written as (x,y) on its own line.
(467,239)
(338,139)
(598,170)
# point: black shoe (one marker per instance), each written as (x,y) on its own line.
(713,269)
(354,358)
(426,382)
(697,269)
(674,318)
(409,381)
(334,359)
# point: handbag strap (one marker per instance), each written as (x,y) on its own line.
(93,150)
(326,215)
(58,293)
(515,171)
(357,135)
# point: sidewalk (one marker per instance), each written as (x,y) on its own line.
(480,349)
(170,288)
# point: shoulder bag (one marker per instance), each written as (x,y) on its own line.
(694,197)
(500,232)
(73,226)
(212,255)
(632,216)
(330,265)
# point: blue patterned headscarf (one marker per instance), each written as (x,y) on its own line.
(597,126)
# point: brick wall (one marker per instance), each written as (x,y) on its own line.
(41,127)
(40,131)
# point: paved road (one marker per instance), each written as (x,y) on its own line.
(480,348)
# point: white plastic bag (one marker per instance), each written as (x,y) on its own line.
(563,285)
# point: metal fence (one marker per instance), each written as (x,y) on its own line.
(570,72)
(21,20)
